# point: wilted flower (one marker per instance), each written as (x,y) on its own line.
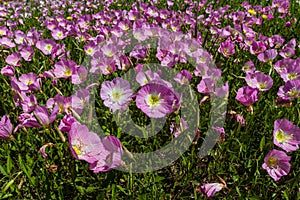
(42,150)
(181,127)
(277,164)
(286,135)
(210,189)
(40,117)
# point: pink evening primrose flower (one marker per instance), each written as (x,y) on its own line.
(210,189)
(277,164)
(259,80)
(183,77)
(110,156)
(286,135)
(116,94)
(5,127)
(47,46)
(247,95)
(84,145)
(157,100)
(14,59)
(64,68)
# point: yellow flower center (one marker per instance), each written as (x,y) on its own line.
(48,47)
(226,51)
(262,85)
(293,93)
(292,76)
(29,82)
(264,16)
(77,150)
(272,162)
(116,95)
(153,100)
(59,34)
(68,72)
(90,51)
(282,137)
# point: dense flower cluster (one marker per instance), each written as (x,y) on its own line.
(105,35)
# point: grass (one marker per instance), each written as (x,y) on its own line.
(24,174)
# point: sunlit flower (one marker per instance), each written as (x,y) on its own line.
(286,135)
(157,100)
(116,94)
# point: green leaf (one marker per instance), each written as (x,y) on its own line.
(2,170)
(262,143)
(23,167)
(8,164)
(122,189)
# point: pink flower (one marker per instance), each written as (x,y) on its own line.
(247,95)
(8,70)
(66,123)
(227,48)
(5,127)
(183,77)
(210,189)
(116,94)
(47,46)
(259,80)
(277,164)
(14,59)
(249,67)
(84,145)
(64,68)
(286,135)
(267,56)
(110,156)
(157,100)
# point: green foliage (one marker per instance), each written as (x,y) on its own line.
(24,174)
